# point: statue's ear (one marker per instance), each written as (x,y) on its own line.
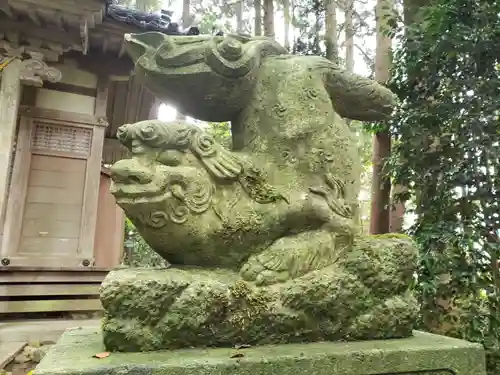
(138,44)
(221,163)
(152,39)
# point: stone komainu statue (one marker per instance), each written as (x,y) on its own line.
(263,238)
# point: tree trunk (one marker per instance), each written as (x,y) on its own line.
(381,184)
(258,17)
(332,49)
(269,18)
(349,36)
(410,11)
(398,210)
(287,19)
(185,13)
(239,16)
(185,20)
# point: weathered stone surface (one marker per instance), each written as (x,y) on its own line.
(276,215)
(422,354)
(362,296)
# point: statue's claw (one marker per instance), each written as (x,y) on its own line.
(264,270)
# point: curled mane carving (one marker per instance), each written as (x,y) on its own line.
(220,163)
(236,55)
(232,56)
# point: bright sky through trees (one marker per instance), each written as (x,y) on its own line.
(169,113)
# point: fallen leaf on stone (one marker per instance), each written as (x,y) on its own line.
(101,355)
(237,355)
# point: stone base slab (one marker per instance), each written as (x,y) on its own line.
(422,354)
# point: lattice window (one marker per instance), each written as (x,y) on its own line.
(62,139)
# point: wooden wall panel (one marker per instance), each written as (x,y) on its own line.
(67,212)
(54,197)
(49,246)
(51,163)
(54,228)
(108,245)
(58,179)
(52,220)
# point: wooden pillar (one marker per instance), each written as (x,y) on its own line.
(91,197)
(10,97)
(93,176)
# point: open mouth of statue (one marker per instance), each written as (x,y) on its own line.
(136,192)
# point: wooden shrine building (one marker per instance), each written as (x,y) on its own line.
(65,89)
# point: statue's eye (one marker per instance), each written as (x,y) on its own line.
(171,158)
(148,132)
(122,133)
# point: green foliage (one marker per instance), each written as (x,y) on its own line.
(137,252)
(221,131)
(447,152)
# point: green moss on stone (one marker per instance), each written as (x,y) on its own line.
(364,295)
(422,354)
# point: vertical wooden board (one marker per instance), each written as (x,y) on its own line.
(10,98)
(17,194)
(28,96)
(108,244)
(102,96)
(119,105)
(91,196)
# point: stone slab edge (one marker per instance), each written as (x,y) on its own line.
(73,355)
(9,351)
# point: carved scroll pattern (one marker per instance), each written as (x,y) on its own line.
(36,71)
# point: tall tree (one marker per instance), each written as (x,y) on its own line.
(239,16)
(381,183)
(349,35)
(185,13)
(287,21)
(331,42)
(257,5)
(269,18)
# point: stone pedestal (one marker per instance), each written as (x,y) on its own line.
(422,354)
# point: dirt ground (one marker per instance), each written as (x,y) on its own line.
(27,359)
(18,368)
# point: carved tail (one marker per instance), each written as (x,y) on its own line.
(356,97)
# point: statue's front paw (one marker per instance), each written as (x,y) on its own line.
(259,270)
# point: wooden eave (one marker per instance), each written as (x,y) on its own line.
(51,27)
(79,30)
